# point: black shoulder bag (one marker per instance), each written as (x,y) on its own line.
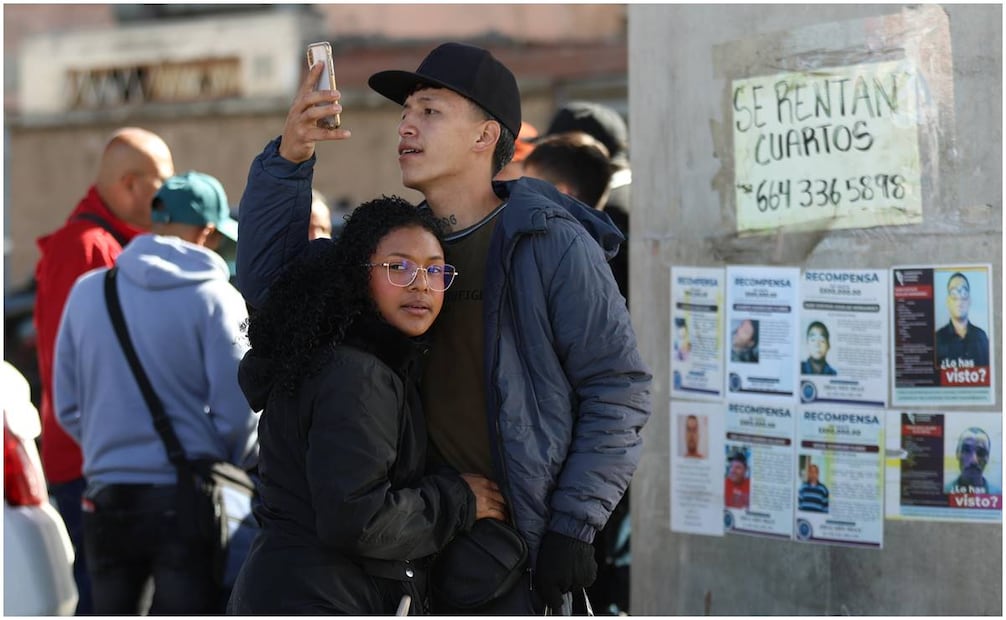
(476,571)
(214,497)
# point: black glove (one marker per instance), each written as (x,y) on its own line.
(564,564)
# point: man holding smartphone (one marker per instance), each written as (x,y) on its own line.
(534,378)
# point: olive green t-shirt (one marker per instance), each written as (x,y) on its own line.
(453,385)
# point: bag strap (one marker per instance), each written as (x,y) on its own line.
(161,421)
(586,602)
(100,221)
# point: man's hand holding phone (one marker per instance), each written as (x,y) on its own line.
(301,130)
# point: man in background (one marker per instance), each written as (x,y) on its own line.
(184,319)
(321,218)
(607,126)
(522,147)
(575,163)
(134,164)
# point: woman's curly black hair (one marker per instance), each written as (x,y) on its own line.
(313,303)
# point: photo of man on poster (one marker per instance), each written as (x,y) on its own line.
(974,448)
(695,438)
(959,342)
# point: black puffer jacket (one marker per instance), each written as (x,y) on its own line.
(347,516)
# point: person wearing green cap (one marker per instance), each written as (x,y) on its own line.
(184,319)
(199,202)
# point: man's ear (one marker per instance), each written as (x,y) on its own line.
(127,180)
(489,136)
(206,236)
(214,240)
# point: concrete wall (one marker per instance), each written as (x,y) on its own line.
(681,58)
(521,22)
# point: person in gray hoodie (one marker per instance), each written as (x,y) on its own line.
(184,319)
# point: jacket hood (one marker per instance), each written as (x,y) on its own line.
(374,335)
(257,373)
(256,378)
(543,201)
(156,262)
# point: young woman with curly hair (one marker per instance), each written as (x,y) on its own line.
(348,515)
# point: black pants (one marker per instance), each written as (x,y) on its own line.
(68,496)
(130,535)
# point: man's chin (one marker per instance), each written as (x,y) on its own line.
(411,183)
(972,481)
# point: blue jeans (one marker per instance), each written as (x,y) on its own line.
(131,535)
(67,496)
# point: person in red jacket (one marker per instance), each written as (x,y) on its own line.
(117,207)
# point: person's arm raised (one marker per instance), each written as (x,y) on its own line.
(275,209)
(301,131)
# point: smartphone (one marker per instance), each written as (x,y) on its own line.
(322,52)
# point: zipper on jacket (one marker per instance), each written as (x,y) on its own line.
(498,399)
(496,405)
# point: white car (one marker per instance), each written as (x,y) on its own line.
(37,554)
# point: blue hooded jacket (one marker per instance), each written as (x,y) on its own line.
(568,392)
(184,319)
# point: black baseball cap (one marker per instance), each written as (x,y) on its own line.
(598,120)
(468,70)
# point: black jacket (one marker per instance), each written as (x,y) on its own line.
(344,497)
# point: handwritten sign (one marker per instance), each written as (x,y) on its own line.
(828,149)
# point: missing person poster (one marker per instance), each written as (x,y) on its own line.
(697,332)
(840,476)
(762,332)
(697,462)
(942,324)
(835,147)
(758,479)
(844,316)
(945,466)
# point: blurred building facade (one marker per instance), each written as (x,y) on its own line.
(216,82)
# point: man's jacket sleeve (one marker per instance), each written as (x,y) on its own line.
(596,343)
(235,422)
(72,256)
(273,219)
